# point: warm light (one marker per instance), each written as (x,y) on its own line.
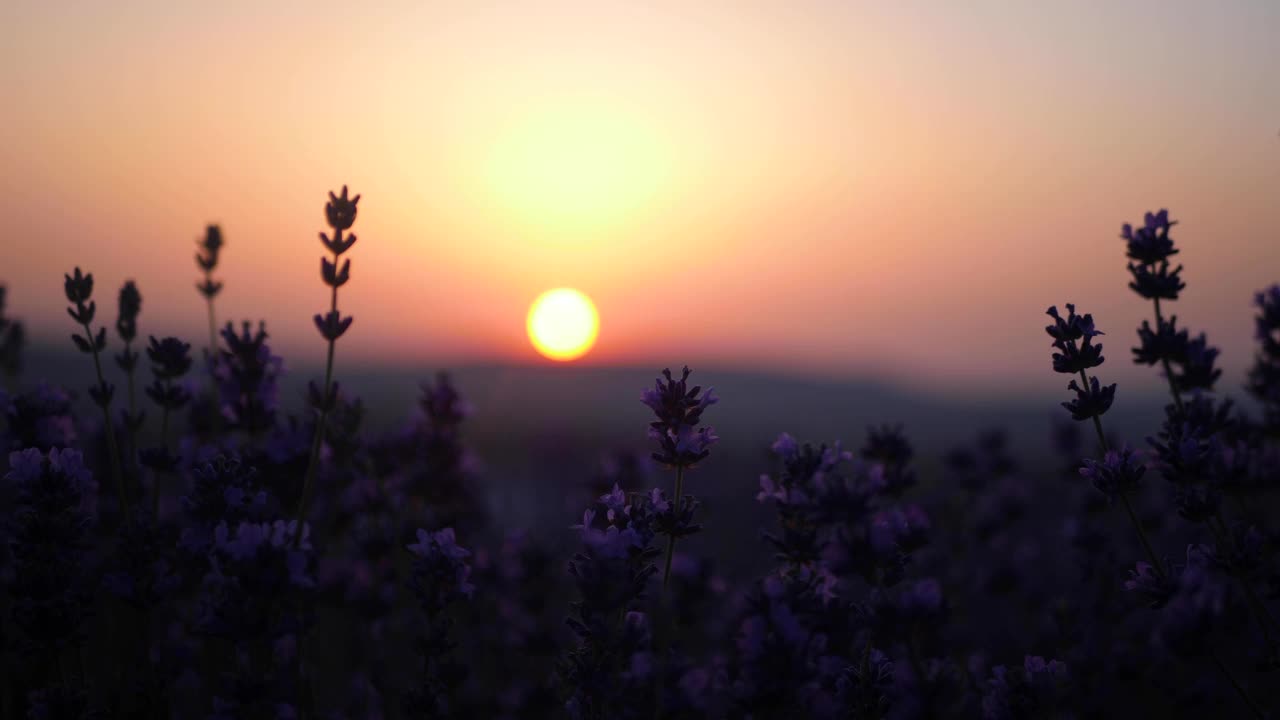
(563,324)
(576,167)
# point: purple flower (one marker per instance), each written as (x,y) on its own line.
(1118,473)
(1156,282)
(1166,342)
(1150,243)
(1091,401)
(441,568)
(679,408)
(248,374)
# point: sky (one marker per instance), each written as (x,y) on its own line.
(841,189)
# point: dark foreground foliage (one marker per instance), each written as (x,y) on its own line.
(189,549)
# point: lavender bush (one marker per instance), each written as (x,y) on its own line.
(246,562)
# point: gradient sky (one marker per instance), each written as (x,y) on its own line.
(837,188)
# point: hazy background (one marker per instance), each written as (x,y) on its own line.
(888,192)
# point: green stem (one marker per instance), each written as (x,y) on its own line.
(109,429)
(671,540)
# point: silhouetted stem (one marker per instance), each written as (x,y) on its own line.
(1256,606)
(164,443)
(213,325)
(109,429)
(1226,672)
(1124,498)
(1168,370)
(671,541)
(314,462)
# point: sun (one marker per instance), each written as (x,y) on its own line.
(563,324)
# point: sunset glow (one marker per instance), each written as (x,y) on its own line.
(563,324)
(820,162)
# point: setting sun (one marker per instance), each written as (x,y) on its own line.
(563,324)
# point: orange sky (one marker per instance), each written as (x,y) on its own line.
(838,188)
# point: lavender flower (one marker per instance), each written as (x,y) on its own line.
(207,261)
(340,212)
(1091,401)
(248,378)
(49,543)
(681,443)
(40,418)
(610,574)
(13,337)
(1264,376)
(79,292)
(441,578)
(1119,472)
(130,306)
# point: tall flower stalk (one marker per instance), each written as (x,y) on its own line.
(130,306)
(170,360)
(681,443)
(207,260)
(79,290)
(340,213)
(1076,355)
(12,339)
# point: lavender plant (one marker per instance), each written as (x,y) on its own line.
(207,261)
(887,585)
(130,306)
(340,212)
(681,444)
(12,340)
(79,291)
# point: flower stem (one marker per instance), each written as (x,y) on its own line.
(109,429)
(213,325)
(671,541)
(1168,370)
(164,443)
(1244,695)
(313,464)
(1124,498)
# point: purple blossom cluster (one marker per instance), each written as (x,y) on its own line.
(243,560)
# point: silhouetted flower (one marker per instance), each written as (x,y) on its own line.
(1150,243)
(887,444)
(1156,282)
(1039,689)
(1091,401)
(865,690)
(681,443)
(170,357)
(331,275)
(1166,342)
(340,211)
(247,374)
(130,307)
(1119,472)
(40,418)
(332,325)
(1264,377)
(1071,328)
(55,499)
(1145,580)
(441,577)
(1198,371)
